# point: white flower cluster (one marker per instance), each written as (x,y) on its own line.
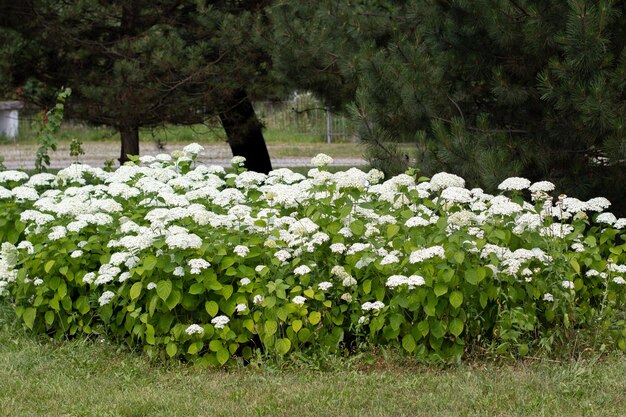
(398,280)
(321,160)
(372,306)
(220,321)
(194,329)
(427,253)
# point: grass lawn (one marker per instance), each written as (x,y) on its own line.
(81,378)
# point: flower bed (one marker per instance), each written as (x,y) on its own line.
(193,261)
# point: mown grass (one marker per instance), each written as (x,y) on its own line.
(165,134)
(86,378)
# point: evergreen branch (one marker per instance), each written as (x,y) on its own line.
(477,129)
(457,107)
(520,8)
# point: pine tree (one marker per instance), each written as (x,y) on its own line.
(492,88)
(139,63)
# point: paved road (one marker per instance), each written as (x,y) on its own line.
(22,156)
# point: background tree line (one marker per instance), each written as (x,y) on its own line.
(485,88)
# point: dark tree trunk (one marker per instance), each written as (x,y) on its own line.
(130,142)
(244,133)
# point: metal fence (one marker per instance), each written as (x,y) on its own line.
(305,114)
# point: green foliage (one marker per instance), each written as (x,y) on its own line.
(285,265)
(76,149)
(48,128)
(485,89)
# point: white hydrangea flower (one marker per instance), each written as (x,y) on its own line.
(76,254)
(179,271)
(347,297)
(25,244)
(106,298)
(240,308)
(194,149)
(606,218)
(259,268)
(416,221)
(302,270)
(325,285)
(244,281)
(568,285)
(197,265)
(238,160)
(514,184)
(456,195)
(151,285)
(220,321)
(321,160)
(37,282)
(444,180)
(389,259)
(194,329)
(298,299)
(123,276)
(89,278)
(619,280)
(427,253)
(542,187)
(241,250)
(598,204)
(548,297)
(282,255)
(369,306)
(183,241)
(337,248)
(258,299)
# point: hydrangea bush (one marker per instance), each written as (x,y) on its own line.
(213,265)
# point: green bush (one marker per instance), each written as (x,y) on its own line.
(195,262)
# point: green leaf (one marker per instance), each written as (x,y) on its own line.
(408,343)
(296,325)
(49,316)
(222,356)
(357,227)
(456,327)
(150,262)
(196,288)
(459,257)
(164,288)
(48,266)
(227,291)
(211,307)
(574,263)
(194,348)
(423,327)
(29,317)
(474,276)
(173,300)
(392,230)
(82,304)
(171,349)
(456,299)
(283,346)
(315,317)
(440,289)
(150,334)
(215,345)
(367,286)
(135,290)
(270,327)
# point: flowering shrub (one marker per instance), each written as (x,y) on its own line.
(194,261)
